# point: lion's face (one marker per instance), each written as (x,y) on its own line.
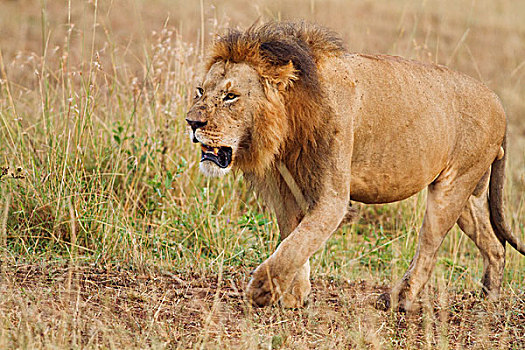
(221,116)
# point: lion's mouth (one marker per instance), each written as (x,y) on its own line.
(221,156)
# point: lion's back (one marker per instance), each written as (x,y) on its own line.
(410,117)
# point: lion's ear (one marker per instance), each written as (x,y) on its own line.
(281,77)
(285,76)
(285,61)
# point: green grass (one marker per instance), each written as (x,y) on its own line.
(99,178)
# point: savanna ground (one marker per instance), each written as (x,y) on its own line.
(110,237)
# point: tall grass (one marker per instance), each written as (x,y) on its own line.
(97,169)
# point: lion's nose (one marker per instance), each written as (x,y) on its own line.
(196,124)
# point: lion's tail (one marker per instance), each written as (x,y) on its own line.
(497,216)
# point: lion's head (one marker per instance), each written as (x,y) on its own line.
(229,116)
(259,92)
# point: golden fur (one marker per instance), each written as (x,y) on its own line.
(374,129)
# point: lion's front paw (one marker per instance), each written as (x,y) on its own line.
(263,289)
(293,300)
(297,295)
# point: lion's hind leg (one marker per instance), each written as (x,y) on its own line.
(446,199)
(475,223)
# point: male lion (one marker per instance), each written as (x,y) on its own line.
(313,126)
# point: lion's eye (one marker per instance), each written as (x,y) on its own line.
(229,97)
(199,92)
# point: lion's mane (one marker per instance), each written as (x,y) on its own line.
(293,124)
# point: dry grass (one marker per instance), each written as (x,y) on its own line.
(108,307)
(109,236)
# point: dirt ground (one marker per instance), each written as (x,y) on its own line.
(86,306)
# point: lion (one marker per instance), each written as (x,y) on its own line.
(313,127)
